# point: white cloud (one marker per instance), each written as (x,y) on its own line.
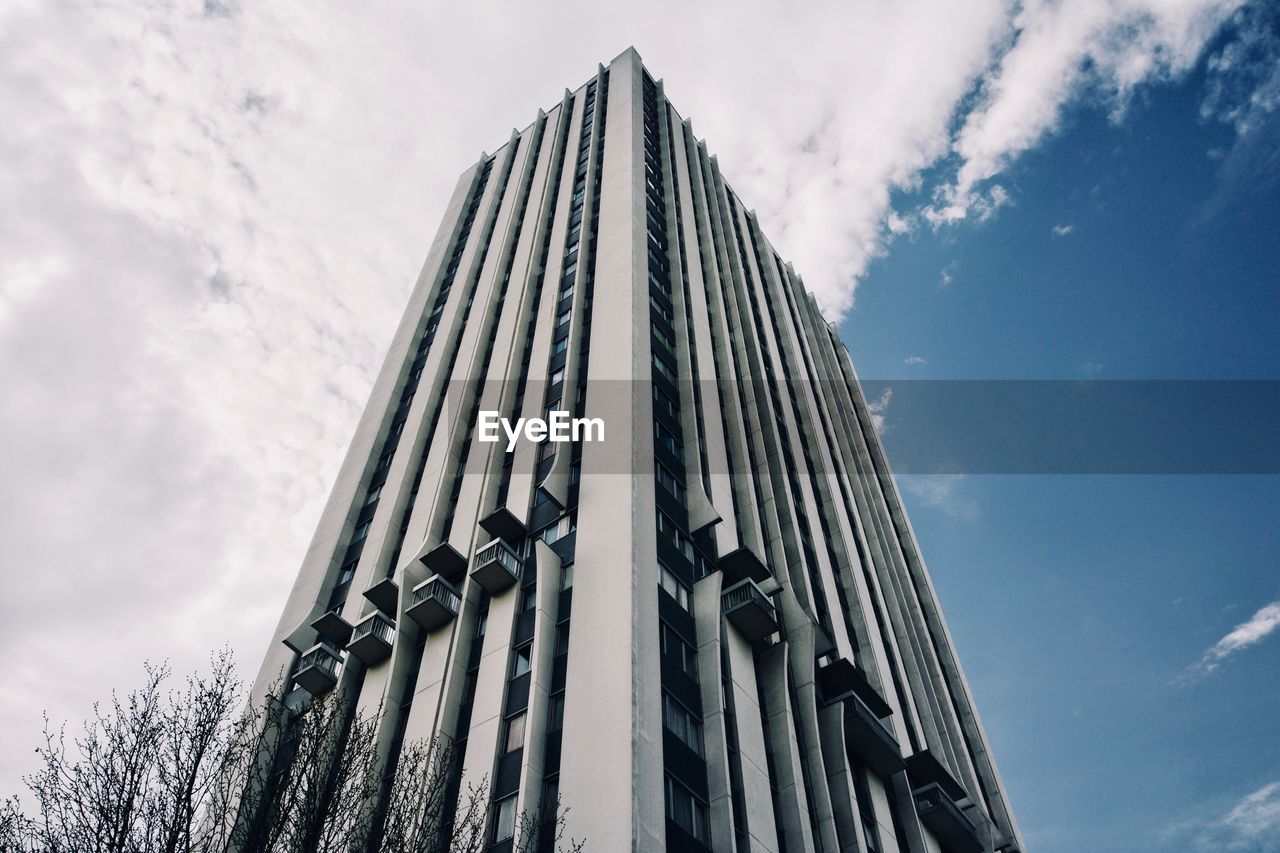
(1243,91)
(877,408)
(1063,230)
(914,359)
(946,276)
(1257,816)
(943,492)
(212,213)
(1248,633)
(1056,53)
(1252,824)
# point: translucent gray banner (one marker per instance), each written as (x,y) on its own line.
(962,426)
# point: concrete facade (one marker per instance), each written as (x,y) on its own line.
(714,628)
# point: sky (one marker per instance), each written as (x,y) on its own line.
(212,213)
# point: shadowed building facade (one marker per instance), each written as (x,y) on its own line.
(712,630)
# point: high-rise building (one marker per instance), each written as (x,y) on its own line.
(709,628)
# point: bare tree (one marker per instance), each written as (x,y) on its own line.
(543,829)
(199,770)
(96,802)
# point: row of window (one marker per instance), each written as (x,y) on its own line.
(683,807)
(514,734)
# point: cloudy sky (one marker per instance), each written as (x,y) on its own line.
(211,214)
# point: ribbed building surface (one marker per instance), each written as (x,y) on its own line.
(711,631)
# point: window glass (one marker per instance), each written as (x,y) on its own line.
(682,723)
(555,712)
(666,439)
(520,665)
(504,819)
(528,598)
(675,647)
(686,810)
(673,586)
(669,482)
(664,369)
(515,733)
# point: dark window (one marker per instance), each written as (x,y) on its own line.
(520,665)
(528,598)
(514,738)
(504,819)
(672,584)
(555,712)
(686,810)
(682,723)
(675,647)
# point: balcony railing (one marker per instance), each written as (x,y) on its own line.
(435,603)
(496,567)
(318,669)
(749,610)
(372,638)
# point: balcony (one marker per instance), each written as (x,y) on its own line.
(923,769)
(951,826)
(503,524)
(749,609)
(385,595)
(841,678)
(742,564)
(318,670)
(333,628)
(869,738)
(496,568)
(445,560)
(435,603)
(371,639)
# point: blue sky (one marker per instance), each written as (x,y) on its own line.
(1079,603)
(212,214)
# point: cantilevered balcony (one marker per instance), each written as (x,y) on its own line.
(445,560)
(742,564)
(503,524)
(924,768)
(749,609)
(496,568)
(949,824)
(333,628)
(870,738)
(385,595)
(435,603)
(840,678)
(318,670)
(371,639)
